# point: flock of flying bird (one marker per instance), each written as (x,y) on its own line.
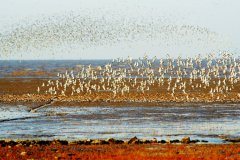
(119,77)
(64,33)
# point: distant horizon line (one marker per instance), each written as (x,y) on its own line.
(97,59)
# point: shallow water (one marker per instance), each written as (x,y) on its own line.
(71,123)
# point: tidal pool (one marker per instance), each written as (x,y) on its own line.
(205,122)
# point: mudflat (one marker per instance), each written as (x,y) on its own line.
(122,151)
(24,91)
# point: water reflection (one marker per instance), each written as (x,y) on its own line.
(120,122)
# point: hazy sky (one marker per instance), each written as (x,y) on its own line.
(50,29)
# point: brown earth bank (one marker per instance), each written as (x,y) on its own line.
(121,151)
(24,91)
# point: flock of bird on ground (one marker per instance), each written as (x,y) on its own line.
(144,75)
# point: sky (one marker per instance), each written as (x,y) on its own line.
(105,29)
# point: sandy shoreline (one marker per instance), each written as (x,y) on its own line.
(24,91)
